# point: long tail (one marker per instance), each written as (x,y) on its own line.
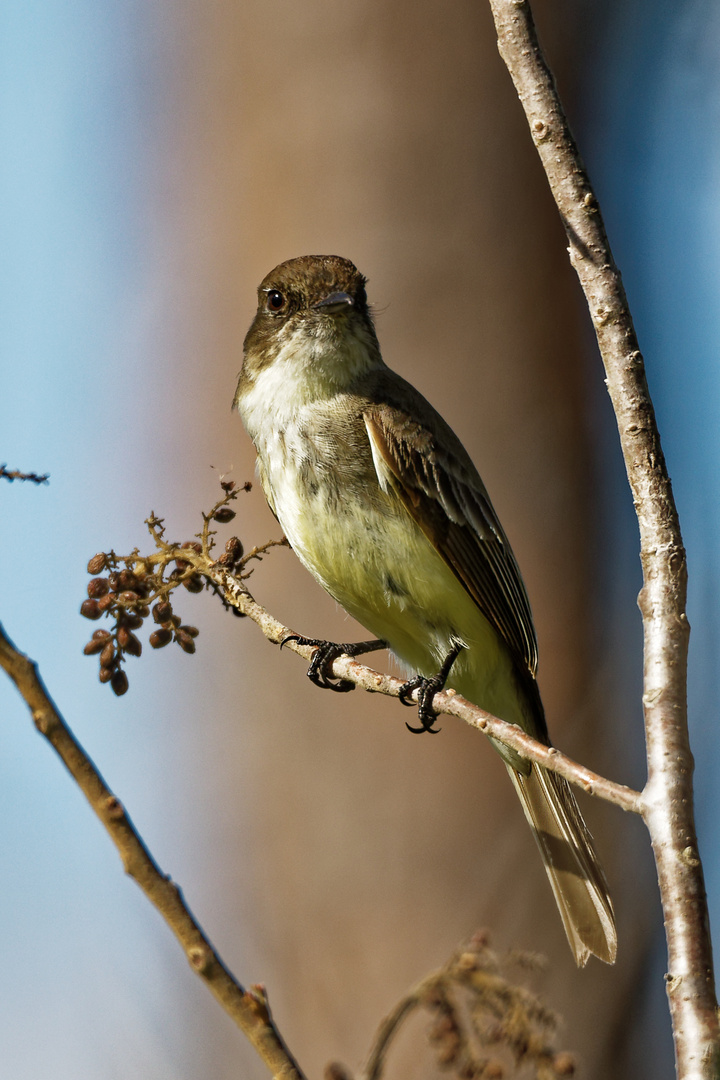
(575,874)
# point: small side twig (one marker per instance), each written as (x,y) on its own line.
(247,1007)
(15,474)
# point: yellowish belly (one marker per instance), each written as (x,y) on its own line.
(369,554)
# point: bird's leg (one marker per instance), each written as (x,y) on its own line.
(427,689)
(326,652)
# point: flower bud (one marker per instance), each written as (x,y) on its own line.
(105,674)
(134,646)
(224,515)
(90,609)
(119,683)
(185,642)
(98,587)
(234,547)
(97,563)
(94,646)
(160,637)
(107,656)
(162,611)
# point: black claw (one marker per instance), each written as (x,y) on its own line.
(326,653)
(428,725)
(320,670)
(427,689)
(426,714)
(407,688)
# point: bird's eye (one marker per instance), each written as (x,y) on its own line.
(276,301)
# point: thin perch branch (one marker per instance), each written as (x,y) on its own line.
(146,577)
(668,797)
(248,1008)
(448,702)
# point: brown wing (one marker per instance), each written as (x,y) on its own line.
(443,492)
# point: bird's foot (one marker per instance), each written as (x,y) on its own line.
(326,653)
(427,689)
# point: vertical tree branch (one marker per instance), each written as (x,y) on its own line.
(667,799)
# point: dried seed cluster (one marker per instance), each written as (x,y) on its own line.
(484,1027)
(126,595)
(128,588)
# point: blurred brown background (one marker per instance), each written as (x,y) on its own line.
(356,856)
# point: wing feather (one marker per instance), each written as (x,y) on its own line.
(447,499)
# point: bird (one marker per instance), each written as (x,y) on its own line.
(383,505)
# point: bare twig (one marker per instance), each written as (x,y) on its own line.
(667,803)
(248,1008)
(15,474)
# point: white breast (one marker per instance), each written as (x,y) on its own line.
(271,401)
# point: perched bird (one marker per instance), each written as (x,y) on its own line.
(381,502)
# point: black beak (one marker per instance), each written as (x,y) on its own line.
(336,301)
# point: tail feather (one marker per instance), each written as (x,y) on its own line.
(575,874)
